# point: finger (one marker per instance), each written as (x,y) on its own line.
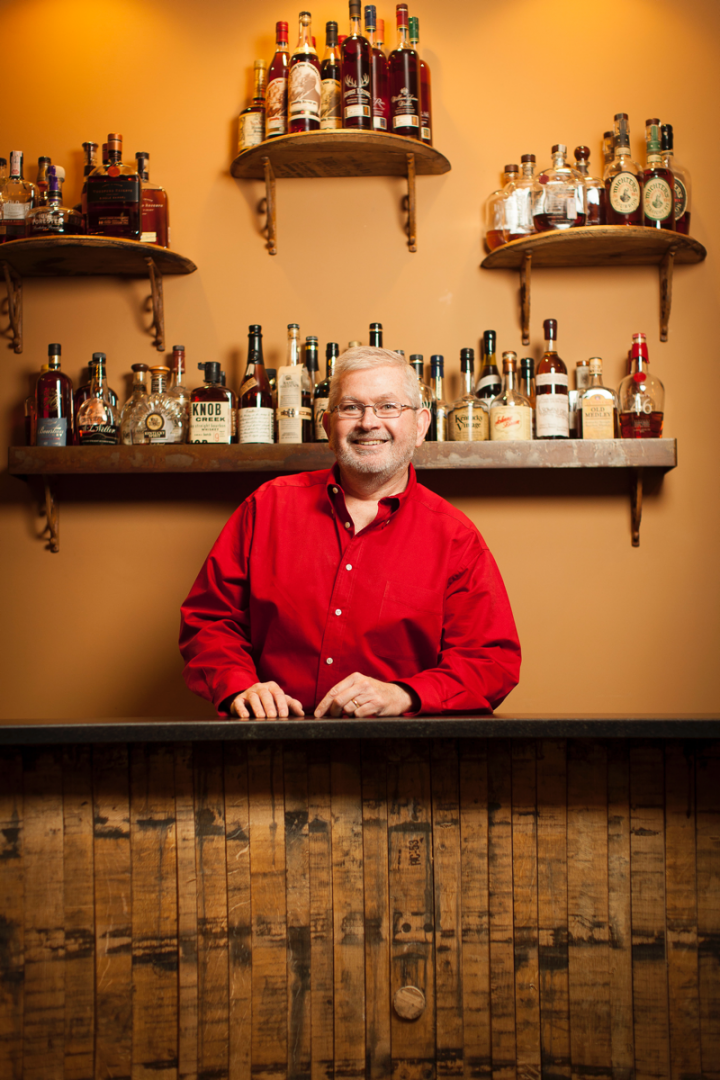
(338,690)
(240,709)
(295,706)
(254,704)
(268,702)
(368,709)
(280,704)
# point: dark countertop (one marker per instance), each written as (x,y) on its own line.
(179,729)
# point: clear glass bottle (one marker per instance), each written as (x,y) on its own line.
(641,397)
(251,121)
(468,417)
(114,196)
(404,81)
(98,420)
(582,376)
(623,180)
(378,71)
(178,389)
(139,393)
(510,412)
(376,335)
(440,405)
(54,421)
(42,181)
(52,218)
(3,171)
(489,383)
(83,391)
(425,84)
(18,197)
(357,109)
(159,418)
(682,186)
(501,211)
(520,219)
(322,390)
(658,183)
(294,409)
(330,81)
(595,194)
(276,95)
(598,406)
(559,198)
(304,84)
(211,409)
(426,393)
(155,212)
(551,390)
(256,415)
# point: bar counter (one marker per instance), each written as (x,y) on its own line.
(511,897)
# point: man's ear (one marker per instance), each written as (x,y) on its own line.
(326,422)
(423,422)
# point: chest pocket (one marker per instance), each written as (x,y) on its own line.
(409,623)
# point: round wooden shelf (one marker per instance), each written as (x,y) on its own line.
(597,245)
(338,153)
(75,256)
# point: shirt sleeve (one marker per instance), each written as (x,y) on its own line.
(215,639)
(479,661)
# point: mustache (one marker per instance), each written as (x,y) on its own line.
(368,438)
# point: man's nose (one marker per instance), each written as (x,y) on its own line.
(368,419)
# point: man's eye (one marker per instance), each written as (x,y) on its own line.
(352,410)
(388,407)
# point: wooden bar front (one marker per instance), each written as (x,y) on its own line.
(313,908)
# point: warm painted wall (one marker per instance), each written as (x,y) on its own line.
(92,630)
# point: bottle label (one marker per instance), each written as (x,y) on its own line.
(624,193)
(276,122)
(120,189)
(551,415)
(15,210)
(289,386)
(425,134)
(99,435)
(405,120)
(379,123)
(247,385)
(157,428)
(257,425)
(551,378)
(405,109)
(658,201)
(582,377)
(210,422)
(680,196)
(356,110)
(290,421)
(597,418)
(468,423)
(304,92)
(251,130)
(356,96)
(51,431)
(330,101)
(560,202)
(510,423)
(508,208)
(320,406)
(148,237)
(490,380)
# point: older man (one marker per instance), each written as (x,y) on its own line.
(354,590)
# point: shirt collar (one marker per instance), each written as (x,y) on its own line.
(393,502)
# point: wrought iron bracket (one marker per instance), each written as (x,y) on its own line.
(411,204)
(269,208)
(666,276)
(636,497)
(157,326)
(14,285)
(525,270)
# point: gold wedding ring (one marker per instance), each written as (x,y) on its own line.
(355,703)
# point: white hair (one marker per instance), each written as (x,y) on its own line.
(367,358)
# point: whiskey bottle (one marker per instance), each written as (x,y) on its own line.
(114,196)
(210,409)
(559,198)
(468,417)
(256,415)
(98,420)
(155,210)
(608,149)
(510,411)
(658,183)
(294,389)
(312,360)
(489,384)
(83,391)
(425,84)
(178,389)
(251,121)
(379,84)
(322,390)
(356,89)
(520,218)
(276,96)
(380,35)
(52,218)
(41,183)
(641,397)
(17,199)
(376,336)
(595,194)
(233,407)
(31,410)
(3,171)
(501,211)
(598,407)
(582,376)
(623,180)
(426,393)
(551,390)
(304,89)
(141,375)
(440,406)
(527,384)
(54,404)
(159,417)
(330,81)
(404,81)
(681,181)
(90,163)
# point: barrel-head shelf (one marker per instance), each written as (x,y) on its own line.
(597,245)
(337,153)
(85,256)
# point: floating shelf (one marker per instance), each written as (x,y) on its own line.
(338,153)
(84,256)
(597,245)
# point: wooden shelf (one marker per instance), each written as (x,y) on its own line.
(597,245)
(316,154)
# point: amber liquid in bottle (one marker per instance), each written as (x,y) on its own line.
(356,78)
(551,390)
(276,95)
(54,419)
(304,82)
(404,79)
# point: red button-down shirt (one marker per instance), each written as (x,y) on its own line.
(291,593)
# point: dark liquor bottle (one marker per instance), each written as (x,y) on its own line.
(276,96)
(356,88)
(425,84)
(560,195)
(211,408)
(608,148)
(404,74)
(376,335)
(251,121)
(41,183)
(623,180)
(256,416)
(98,420)
(426,394)
(322,390)
(3,170)
(155,212)
(681,181)
(233,407)
(54,404)
(440,406)
(551,390)
(595,194)
(380,35)
(295,394)
(114,196)
(312,359)
(52,218)
(658,183)
(83,391)
(527,382)
(90,163)
(641,397)
(330,81)
(304,87)
(510,412)
(489,384)
(378,73)
(17,198)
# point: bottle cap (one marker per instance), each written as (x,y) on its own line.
(402,15)
(293,326)
(178,348)
(370,16)
(652,122)
(99,357)
(114,141)
(139,367)
(489,340)
(595,365)
(212,371)
(355,7)
(639,347)
(666,136)
(354,344)
(437,364)
(527,366)
(550,328)
(311,339)
(509,360)
(582,153)
(160,369)
(331,29)
(527,157)
(380,30)
(467,359)
(281,32)
(511,168)
(582,363)
(44,160)
(54,350)
(414,28)
(332,349)
(376,326)
(559,148)
(416,357)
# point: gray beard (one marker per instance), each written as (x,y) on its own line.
(398,461)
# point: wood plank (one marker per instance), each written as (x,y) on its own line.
(237,846)
(50,256)
(525,908)
(154,912)
(213,991)
(297,863)
(44,1005)
(622,1036)
(449,1039)
(377,912)
(681,910)
(321,909)
(79,908)
(551,775)
(647,881)
(187,913)
(477,1047)
(500,885)
(12,914)
(597,245)
(269,916)
(348,914)
(588,933)
(113,899)
(708,892)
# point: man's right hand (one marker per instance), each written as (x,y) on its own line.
(265,701)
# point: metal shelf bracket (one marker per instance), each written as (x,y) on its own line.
(636,497)
(156,300)
(52,516)
(269,208)
(411,204)
(525,270)
(666,276)
(14,285)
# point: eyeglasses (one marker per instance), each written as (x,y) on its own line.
(386,410)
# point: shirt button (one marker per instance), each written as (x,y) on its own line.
(338,611)
(334,491)
(329,660)
(348,566)
(347,524)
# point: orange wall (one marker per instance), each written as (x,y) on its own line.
(92,630)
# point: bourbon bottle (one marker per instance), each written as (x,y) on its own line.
(256,416)
(330,81)
(356,88)
(425,84)
(623,180)
(598,407)
(98,420)
(210,409)
(595,194)
(641,397)
(501,214)
(378,72)
(440,406)
(54,404)
(681,181)
(468,417)
(304,84)
(510,411)
(276,95)
(155,207)
(251,121)
(560,195)
(658,195)
(294,408)
(489,383)
(322,391)
(114,196)
(404,77)
(551,390)
(376,335)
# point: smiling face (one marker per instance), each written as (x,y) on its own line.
(369,446)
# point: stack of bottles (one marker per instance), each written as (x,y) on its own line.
(565,196)
(508,402)
(355,86)
(117,199)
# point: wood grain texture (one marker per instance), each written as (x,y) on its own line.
(377,913)
(321,912)
(12,914)
(297,862)
(500,882)
(186,913)
(597,245)
(50,256)
(708,899)
(622,1038)
(237,848)
(525,908)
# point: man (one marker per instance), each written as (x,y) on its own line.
(355,590)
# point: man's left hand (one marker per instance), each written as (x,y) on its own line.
(359,695)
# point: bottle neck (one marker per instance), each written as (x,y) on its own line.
(178,368)
(355,26)
(468,377)
(509,380)
(550,345)
(16,166)
(140,381)
(528,169)
(98,382)
(293,349)
(159,382)
(403,37)
(114,156)
(255,349)
(370,35)
(489,362)
(330,367)
(582,167)
(438,385)
(305,44)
